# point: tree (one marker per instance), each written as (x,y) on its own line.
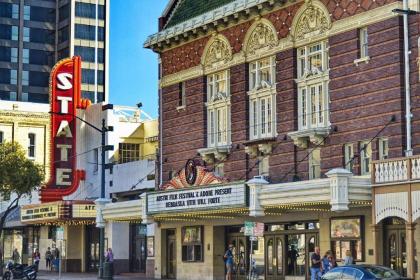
(19,176)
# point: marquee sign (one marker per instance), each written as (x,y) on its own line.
(65,83)
(215,197)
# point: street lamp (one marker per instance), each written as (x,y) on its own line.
(100,223)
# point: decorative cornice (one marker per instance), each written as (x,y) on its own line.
(337,27)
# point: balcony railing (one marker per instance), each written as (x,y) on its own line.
(396,170)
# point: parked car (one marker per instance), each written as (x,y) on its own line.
(362,272)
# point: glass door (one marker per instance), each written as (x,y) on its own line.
(92,245)
(274,245)
(396,251)
(171,254)
(240,256)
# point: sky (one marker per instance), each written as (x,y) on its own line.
(133,75)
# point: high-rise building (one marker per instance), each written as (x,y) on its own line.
(34,35)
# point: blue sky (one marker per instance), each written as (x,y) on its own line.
(133,69)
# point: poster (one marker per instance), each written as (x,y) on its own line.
(345,228)
(192,235)
(150,246)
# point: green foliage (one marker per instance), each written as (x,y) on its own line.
(18,174)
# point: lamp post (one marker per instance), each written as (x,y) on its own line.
(100,223)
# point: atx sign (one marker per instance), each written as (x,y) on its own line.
(65,83)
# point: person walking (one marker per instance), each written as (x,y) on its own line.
(228,257)
(326,262)
(348,259)
(109,256)
(15,256)
(36,257)
(316,265)
(48,258)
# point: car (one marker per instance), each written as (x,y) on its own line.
(361,272)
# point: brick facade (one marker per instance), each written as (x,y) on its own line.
(363,98)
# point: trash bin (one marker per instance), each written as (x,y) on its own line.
(108,273)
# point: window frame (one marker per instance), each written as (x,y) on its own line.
(14,55)
(195,245)
(218,110)
(14,33)
(363,157)
(182,99)
(13,77)
(125,154)
(25,78)
(25,56)
(383,150)
(304,55)
(15,11)
(314,163)
(31,145)
(26,12)
(348,162)
(256,68)
(26,34)
(363,42)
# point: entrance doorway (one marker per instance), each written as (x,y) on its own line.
(138,252)
(395,245)
(92,248)
(240,253)
(171,254)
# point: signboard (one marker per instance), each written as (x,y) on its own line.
(40,213)
(216,197)
(259,229)
(249,228)
(60,233)
(65,83)
(84,210)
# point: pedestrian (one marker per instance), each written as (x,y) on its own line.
(332,261)
(348,259)
(48,258)
(228,257)
(326,262)
(36,256)
(109,257)
(15,256)
(316,265)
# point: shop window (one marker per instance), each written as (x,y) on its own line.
(348,157)
(383,148)
(129,152)
(192,244)
(346,235)
(365,157)
(315,164)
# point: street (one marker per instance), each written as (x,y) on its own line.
(44,275)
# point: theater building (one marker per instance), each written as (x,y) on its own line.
(274,112)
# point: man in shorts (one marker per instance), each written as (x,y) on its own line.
(229,262)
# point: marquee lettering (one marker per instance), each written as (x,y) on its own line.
(65,100)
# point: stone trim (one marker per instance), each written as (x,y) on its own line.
(340,26)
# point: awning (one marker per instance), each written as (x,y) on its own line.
(124,211)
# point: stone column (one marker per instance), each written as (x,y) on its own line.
(410,229)
(255,185)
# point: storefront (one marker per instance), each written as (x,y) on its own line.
(52,224)
(195,226)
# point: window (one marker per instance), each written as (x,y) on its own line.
(31,145)
(88,53)
(219,169)
(348,157)
(15,11)
(365,157)
(64,12)
(181,95)
(15,33)
(346,234)
(25,97)
(63,35)
(218,109)
(192,244)
(26,12)
(14,55)
(25,78)
(1,137)
(26,34)
(88,76)
(38,79)
(261,73)
(13,95)
(383,148)
(25,56)
(95,160)
(129,152)
(89,10)
(315,164)
(363,41)
(264,166)
(13,77)
(87,32)
(313,86)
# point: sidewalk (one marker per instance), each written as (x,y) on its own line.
(46,275)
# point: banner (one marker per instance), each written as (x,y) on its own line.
(65,84)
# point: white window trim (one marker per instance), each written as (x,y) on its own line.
(363,47)
(182,106)
(312,162)
(348,162)
(213,105)
(363,157)
(382,154)
(258,95)
(34,145)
